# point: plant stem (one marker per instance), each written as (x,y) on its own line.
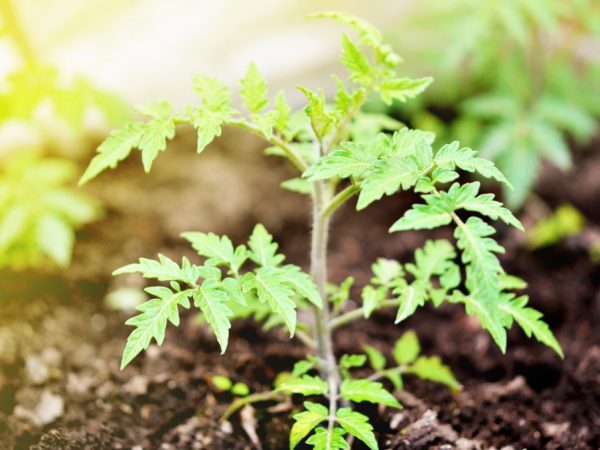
(357,313)
(275,140)
(340,199)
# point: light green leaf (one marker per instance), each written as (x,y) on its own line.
(165,269)
(271,287)
(357,425)
(253,89)
(356,62)
(403,88)
(530,321)
(351,159)
(386,271)
(321,121)
(435,258)
(305,385)
(321,440)
(367,391)
(306,421)
(372,298)
(218,249)
(431,368)
(486,205)
(156,132)
(263,250)
(299,185)
(351,361)
(152,321)
(376,358)
(210,298)
(411,296)
(422,217)
(114,149)
(283,113)
(407,348)
(387,177)
(55,238)
(301,283)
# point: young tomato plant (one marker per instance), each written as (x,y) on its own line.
(336,164)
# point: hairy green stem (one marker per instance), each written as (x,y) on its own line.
(340,199)
(275,140)
(253,398)
(357,313)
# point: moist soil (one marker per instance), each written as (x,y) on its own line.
(60,344)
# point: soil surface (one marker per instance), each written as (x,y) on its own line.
(60,344)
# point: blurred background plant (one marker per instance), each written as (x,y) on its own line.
(40,110)
(517,79)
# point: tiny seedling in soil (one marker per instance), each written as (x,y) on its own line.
(335,164)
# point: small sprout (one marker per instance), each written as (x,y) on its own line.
(222,383)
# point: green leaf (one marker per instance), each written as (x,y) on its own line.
(422,217)
(233,287)
(253,89)
(356,62)
(263,250)
(114,149)
(351,159)
(529,320)
(351,361)
(387,177)
(407,348)
(369,35)
(411,297)
(218,249)
(165,269)
(272,287)
(156,132)
(214,112)
(451,156)
(55,238)
(152,321)
(376,358)
(283,113)
(367,391)
(372,298)
(357,425)
(221,383)
(386,271)
(321,121)
(306,421)
(431,368)
(321,440)
(210,298)
(435,258)
(299,185)
(302,367)
(305,385)
(486,205)
(301,283)
(403,88)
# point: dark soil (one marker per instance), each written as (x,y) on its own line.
(60,384)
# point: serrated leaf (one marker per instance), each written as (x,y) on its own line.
(271,287)
(407,348)
(210,298)
(253,89)
(152,321)
(434,258)
(372,298)
(165,269)
(302,367)
(263,250)
(367,391)
(529,320)
(282,108)
(411,297)
(376,358)
(218,249)
(386,178)
(452,155)
(402,89)
(156,131)
(114,149)
(322,440)
(306,421)
(233,287)
(302,284)
(486,205)
(431,368)
(357,425)
(305,385)
(385,271)
(321,120)
(356,62)
(369,35)
(214,112)
(351,159)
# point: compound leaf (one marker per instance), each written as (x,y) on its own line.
(367,391)
(357,425)
(306,421)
